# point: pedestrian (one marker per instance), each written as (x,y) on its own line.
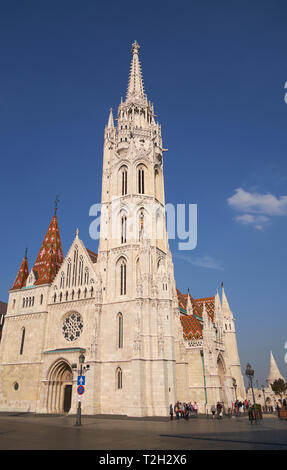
(176,410)
(171,412)
(213,411)
(195,408)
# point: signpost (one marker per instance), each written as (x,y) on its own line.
(81,380)
(81,390)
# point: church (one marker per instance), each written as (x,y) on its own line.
(145,344)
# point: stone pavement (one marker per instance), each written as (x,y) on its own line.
(36,432)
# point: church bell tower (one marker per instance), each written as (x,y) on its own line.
(138,288)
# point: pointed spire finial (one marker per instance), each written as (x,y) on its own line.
(77,232)
(135,47)
(26,251)
(135,86)
(56,204)
(111,120)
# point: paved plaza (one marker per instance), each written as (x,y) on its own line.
(34,432)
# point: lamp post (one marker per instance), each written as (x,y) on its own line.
(235,387)
(81,362)
(250,374)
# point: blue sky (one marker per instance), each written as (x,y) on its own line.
(215,71)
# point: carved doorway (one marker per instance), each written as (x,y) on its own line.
(60,384)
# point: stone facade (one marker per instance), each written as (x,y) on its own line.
(146,345)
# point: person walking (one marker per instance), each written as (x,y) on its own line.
(212,409)
(195,408)
(171,412)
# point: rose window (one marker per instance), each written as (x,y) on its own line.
(72,327)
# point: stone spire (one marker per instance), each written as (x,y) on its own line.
(189,308)
(135,86)
(22,274)
(274,372)
(224,301)
(110,124)
(50,256)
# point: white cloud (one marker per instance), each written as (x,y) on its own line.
(258,221)
(201,261)
(266,204)
(257,208)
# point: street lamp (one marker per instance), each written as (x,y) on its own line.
(81,362)
(249,372)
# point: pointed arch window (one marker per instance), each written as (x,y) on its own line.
(119,378)
(124,174)
(123,278)
(22,340)
(86,276)
(120,331)
(81,266)
(62,280)
(68,277)
(141,180)
(123,228)
(75,266)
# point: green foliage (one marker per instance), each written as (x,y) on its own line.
(279,387)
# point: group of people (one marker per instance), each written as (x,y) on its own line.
(183,410)
(186,410)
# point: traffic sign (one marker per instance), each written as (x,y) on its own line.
(81,390)
(81,380)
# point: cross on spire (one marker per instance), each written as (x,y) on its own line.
(56,204)
(135,86)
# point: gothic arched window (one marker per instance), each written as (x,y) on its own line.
(123,278)
(120,331)
(141,179)
(124,180)
(119,378)
(123,228)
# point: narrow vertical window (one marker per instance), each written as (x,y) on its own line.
(41,299)
(124,182)
(123,229)
(123,275)
(120,330)
(141,180)
(119,376)
(22,341)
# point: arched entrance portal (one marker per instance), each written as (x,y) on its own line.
(221,373)
(60,382)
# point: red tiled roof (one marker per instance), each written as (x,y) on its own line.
(92,255)
(190,323)
(50,256)
(191,327)
(22,275)
(209,305)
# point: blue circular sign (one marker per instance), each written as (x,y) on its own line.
(81,389)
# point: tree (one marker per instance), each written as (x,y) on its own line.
(279,387)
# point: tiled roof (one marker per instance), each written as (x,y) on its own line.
(191,327)
(191,323)
(92,255)
(50,256)
(22,275)
(209,305)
